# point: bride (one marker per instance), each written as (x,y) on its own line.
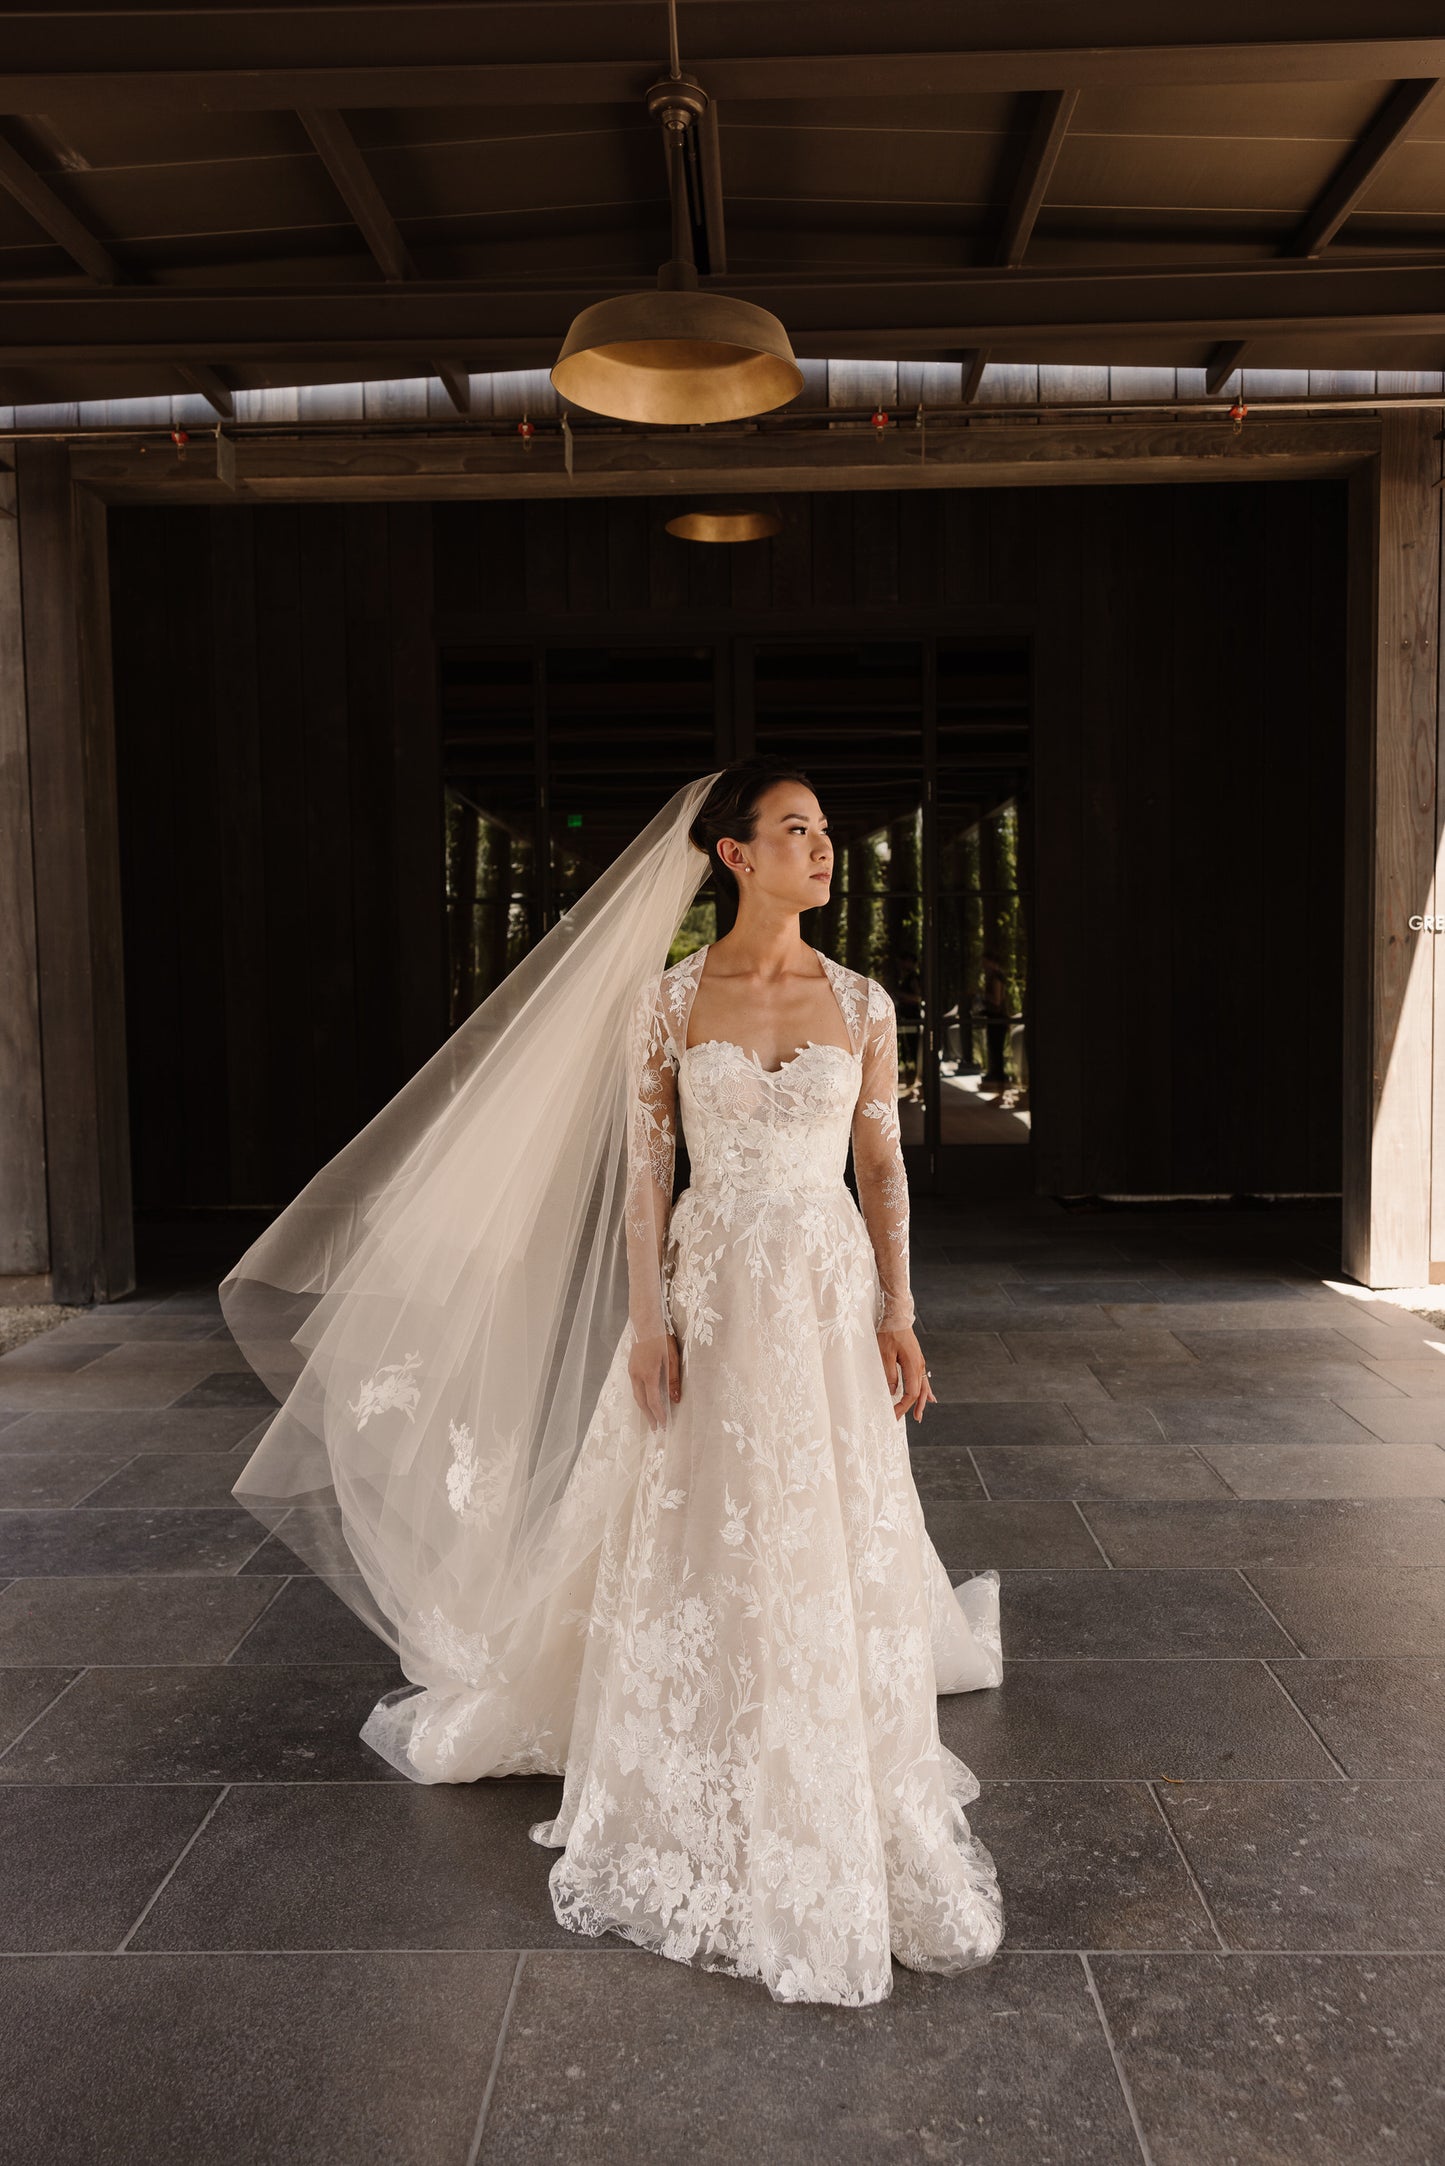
(624,1480)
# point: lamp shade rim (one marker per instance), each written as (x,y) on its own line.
(676,356)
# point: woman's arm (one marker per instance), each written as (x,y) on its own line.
(878,1160)
(651,1156)
(883,1198)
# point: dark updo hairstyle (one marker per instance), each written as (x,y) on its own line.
(731,808)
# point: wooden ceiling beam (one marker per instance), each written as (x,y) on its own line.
(1041,154)
(1307,311)
(20,180)
(457,384)
(1050,124)
(1222,364)
(1194,54)
(338,151)
(208,385)
(1405,107)
(341,155)
(1401,112)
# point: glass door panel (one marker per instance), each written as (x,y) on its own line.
(489,764)
(981,908)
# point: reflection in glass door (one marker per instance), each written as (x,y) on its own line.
(980,920)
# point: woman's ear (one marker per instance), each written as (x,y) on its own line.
(731,854)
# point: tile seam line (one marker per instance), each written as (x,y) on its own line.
(124,1947)
(1114,2055)
(475,2151)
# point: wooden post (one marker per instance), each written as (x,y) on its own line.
(1394,1023)
(74,1072)
(24,1235)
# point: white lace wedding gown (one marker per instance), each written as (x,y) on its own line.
(741,1686)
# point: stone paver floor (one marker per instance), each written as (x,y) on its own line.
(1213,1779)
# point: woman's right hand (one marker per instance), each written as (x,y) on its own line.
(655,1369)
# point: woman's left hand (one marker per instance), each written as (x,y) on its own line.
(903,1355)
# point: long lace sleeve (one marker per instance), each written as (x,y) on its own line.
(651,1152)
(878,1160)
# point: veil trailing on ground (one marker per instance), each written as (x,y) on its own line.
(438,1308)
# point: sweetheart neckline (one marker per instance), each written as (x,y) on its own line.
(810,1045)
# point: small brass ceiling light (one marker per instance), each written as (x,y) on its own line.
(728,519)
(673,354)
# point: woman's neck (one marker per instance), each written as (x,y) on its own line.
(765,941)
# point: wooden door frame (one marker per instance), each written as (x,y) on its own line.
(67,1044)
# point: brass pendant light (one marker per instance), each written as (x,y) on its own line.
(728,519)
(674,354)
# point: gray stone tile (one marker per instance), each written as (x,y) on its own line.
(226,1724)
(25,1694)
(980,1535)
(190,1359)
(52,1355)
(1159,1615)
(1198,1720)
(160,1478)
(968,1422)
(8,1418)
(1088,1865)
(171,1618)
(1087,1261)
(1203,1422)
(1397,1421)
(40,1391)
(1377,1718)
(984,1348)
(1318,1865)
(238,2059)
(1094,1286)
(368,1865)
(118,1328)
(1189,1308)
(944,1471)
(275,1559)
(1371,1469)
(1308,1343)
(228,1387)
(49,1480)
(1096,1470)
(1279,2060)
(1107,1421)
(1161,1384)
(1359,1611)
(963,1318)
(1404,1341)
(202,1429)
(1197,1292)
(1303,1531)
(37,1543)
(971,1380)
(82,1862)
(192,1301)
(307,1622)
(1005,2062)
(1049,1347)
(1416,1379)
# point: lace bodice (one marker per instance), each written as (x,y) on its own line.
(754,1133)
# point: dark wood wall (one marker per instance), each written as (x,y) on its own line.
(1190,734)
(280,805)
(276,711)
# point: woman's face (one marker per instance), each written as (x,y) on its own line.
(789,856)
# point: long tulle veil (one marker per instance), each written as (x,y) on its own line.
(438,1308)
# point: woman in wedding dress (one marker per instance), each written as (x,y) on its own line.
(718,1613)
